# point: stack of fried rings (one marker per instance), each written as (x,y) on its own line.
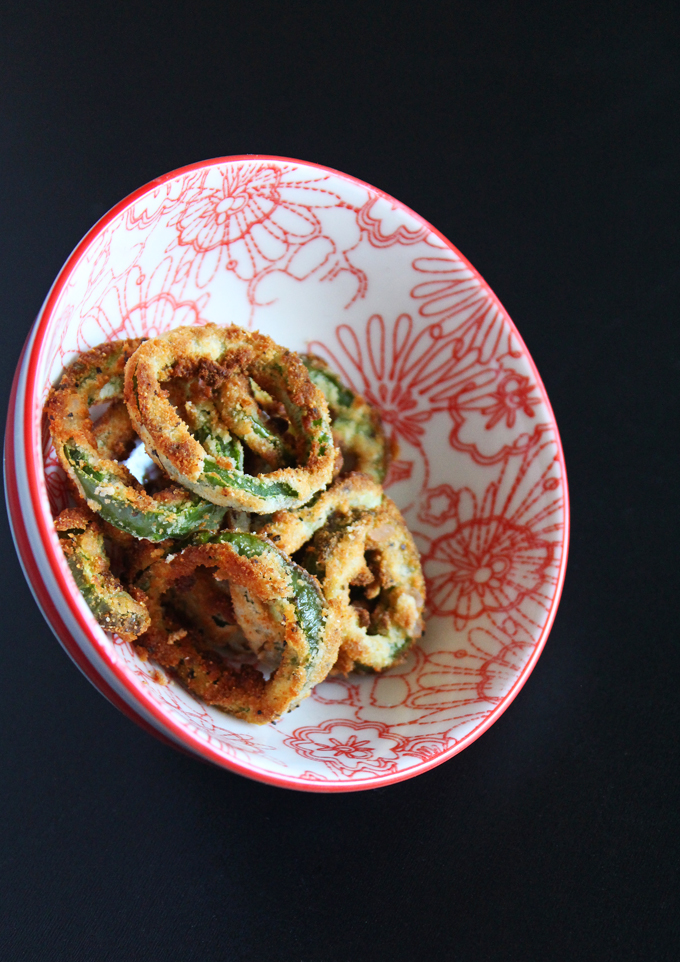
(250,546)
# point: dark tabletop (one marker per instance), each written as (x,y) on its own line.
(542,139)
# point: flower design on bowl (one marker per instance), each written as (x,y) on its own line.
(348,747)
(485,565)
(251,220)
(407,372)
(321,261)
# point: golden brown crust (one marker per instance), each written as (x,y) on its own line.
(216,354)
(378,555)
(241,691)
(82,540)
(87,451)
(81,385)
(74,519)
(183,605)
(290,530)
(356,538)
(357,426)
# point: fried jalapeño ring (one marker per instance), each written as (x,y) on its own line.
(82,540)
(290,530)
(357,427)
(108,487)
(308,636)
(217,356)
(357,544)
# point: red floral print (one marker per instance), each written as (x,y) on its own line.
(407,374)
(398,471)
(337,744)
(513,394)
(499,551)
(255,219)
(454,295)
(487,564)
(448,692)
(478,472)
(370,219)
(439,505)
(352,748)
(232,211)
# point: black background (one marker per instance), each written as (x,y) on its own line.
(543,140)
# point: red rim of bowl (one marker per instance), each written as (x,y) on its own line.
(168,730)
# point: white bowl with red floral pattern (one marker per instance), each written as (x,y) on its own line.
(323,262)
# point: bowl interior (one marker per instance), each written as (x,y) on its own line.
(322,262)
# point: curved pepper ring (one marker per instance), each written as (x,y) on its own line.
(357,427)
(303,628)
(82,541)
(225,359)
(96,377)
(354,540)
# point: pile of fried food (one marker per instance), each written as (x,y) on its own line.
(259,553)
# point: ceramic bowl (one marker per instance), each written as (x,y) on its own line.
(323,262)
